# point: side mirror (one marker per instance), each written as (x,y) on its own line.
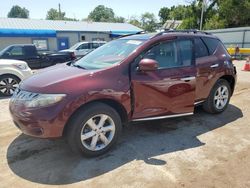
(148,65)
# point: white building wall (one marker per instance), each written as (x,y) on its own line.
(234,36)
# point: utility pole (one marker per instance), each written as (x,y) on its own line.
(202,14)
(59,10)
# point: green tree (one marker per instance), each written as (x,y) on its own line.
(102,14)
(164,14)
(148,22)
(54,14)
(18,12)
(215,22)
(135,21)
(236,13)
(119,19)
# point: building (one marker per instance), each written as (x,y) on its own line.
(232,37)
(50,35)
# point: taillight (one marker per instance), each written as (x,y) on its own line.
(73,55)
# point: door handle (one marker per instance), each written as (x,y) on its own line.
(188,78)
(214,65)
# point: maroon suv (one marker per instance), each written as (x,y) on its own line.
(135,78)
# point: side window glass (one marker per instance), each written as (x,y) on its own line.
(83,46)
(165,54)
(95,45)
(211,44)
(16,51)
(200,48)
(186,52)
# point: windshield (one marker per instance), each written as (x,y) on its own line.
(74,46)
(4,50)
(109,54)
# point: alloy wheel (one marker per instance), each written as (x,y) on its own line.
(98,132)
(221,97)
(8,86)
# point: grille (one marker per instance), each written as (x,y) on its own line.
(23,95)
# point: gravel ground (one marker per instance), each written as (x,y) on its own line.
(198,151)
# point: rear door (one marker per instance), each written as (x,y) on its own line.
(170,90)
(207,64)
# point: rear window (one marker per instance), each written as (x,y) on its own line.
(211,44)
(30,51)
(200,48)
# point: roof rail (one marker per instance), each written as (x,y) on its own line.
(194,31)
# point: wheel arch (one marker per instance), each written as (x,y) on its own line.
(10,74)
(110,102)
(231,80)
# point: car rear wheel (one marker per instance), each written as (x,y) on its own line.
(94,129)
(219,97)
(8,84)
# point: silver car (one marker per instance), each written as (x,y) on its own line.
(81,49)
(12,72)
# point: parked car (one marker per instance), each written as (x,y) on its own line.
(11,73)
(81,49)
(135,78)
(29,54)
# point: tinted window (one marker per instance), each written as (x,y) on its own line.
(200,48)
(16,51)
(166,54)
(186,52)
(30,51)
(211,44)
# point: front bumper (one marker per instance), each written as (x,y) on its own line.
(45,122)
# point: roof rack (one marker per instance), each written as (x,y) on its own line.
(194,31)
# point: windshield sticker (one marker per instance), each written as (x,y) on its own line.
(135,42)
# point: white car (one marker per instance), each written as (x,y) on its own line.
(12,72)
(81,49)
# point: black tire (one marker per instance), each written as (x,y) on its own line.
(8,91)
(209,105)
(79,121)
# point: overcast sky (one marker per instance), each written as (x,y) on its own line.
(80,8)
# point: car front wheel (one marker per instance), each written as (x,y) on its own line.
(219,97)
(94,129)
(8,84)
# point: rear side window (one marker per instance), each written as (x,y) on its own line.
(211,44)
(95,45)
(200,48)
(186,52)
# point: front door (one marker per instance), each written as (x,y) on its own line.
(62,43)
(170,90)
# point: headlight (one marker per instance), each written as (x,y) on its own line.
(43,100)
(21,66)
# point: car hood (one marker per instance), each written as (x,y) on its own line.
(10,62)
(60,78)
